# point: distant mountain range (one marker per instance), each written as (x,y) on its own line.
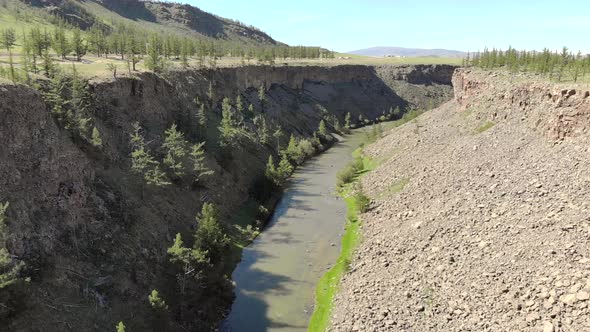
(382,51)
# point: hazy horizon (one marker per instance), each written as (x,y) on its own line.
(460,25)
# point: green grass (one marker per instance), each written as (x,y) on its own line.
(484,127)
(395,188)
(368,60)
(328,285)
(407,117)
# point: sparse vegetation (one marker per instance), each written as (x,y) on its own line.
(558,65)
(484,127)
(356,202)
(9,268)
(395,188)
(120,327)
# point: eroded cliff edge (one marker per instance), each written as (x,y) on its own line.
(94,237)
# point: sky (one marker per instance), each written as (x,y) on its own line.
(346,25)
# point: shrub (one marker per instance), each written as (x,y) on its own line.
(306,148)
(361,200)
(346,175)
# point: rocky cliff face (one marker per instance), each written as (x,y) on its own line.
(560,110)
(479,219)
(94,237)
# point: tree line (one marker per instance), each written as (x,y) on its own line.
(557,65)
(133,45)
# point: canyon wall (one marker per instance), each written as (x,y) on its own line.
(94,237)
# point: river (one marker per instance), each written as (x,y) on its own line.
(276,279)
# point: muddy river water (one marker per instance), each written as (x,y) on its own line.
(276,279)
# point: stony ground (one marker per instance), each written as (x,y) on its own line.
(491,231)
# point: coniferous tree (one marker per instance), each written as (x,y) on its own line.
(48,65)
(175,148)
(271,171)
(278,133)
(240,110)
(285,169)
(60,43)
(322,130)
(209,236)
(7,38)
(347,121)
(156,301)
(9,268)
(202,116)
(197,156)
(292,151)
(79,45)
(143,163)
(120,327)
(153,61)
(261,129)
(96,140)
(226,127)
(80,104)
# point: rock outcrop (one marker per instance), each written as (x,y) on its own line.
(490,231)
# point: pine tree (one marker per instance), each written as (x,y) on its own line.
(7,38)
(209,236)
(143,163)
(153,61)
(9,268)
(323,131)
(96,140)
(285,169)
(13,76)
(293,152)
(347,121)
(226,127)
(80,103)
(79,45)
(175,147)
(156,177)
(277,135)
(261,129)
(202,116)
(240,110)
(48,65)
(197,156)
(157,302)
(271,171)
(60,43)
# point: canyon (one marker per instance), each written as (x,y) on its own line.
(94,238)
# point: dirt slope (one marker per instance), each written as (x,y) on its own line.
(491,231)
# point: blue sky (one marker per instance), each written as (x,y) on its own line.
(346,25)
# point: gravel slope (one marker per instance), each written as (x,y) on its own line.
(491,232)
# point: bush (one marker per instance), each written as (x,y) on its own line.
(346,175)
(361,200)
(306,148)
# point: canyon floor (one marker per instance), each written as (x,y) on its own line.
(480,218)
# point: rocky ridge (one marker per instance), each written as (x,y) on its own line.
(491,231)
